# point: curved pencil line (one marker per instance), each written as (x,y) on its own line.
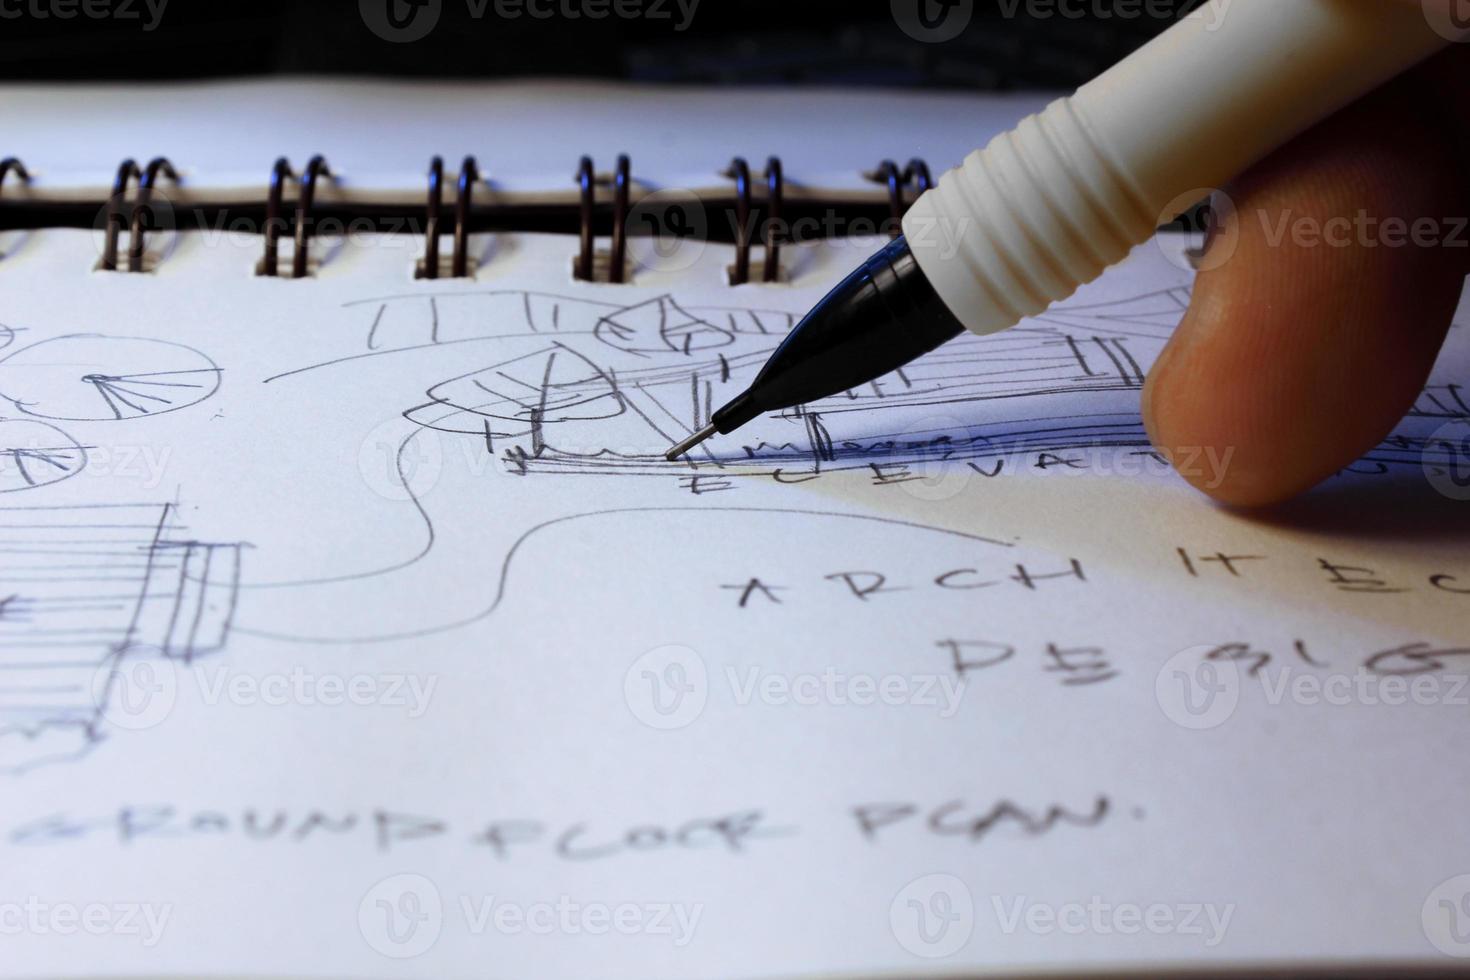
(510,554)
(395,567)
(18,453)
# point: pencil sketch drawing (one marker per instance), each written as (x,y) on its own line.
(35,454)
(587,387)
(534,386)
(91,592)
(574,386)
(91,377)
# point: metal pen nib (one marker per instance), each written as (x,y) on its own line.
(688,444)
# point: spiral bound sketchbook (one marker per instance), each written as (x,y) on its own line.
(352,623)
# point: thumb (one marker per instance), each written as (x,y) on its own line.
(1305,346)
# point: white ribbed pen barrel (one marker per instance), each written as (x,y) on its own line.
(1071,190)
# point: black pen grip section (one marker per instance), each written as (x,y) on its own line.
(879,318)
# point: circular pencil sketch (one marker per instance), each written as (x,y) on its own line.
(33,454)
(94,378)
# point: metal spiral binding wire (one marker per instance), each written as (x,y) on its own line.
(739,171)
(127,171)
(587,183)
(903,184)
(280,173)
(13,165)
(431,218)
(315,167)
(143,210)
(916,174)
(469,173)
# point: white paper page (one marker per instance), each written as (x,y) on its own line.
(354,627)
(527,136)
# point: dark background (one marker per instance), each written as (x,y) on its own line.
(759,42)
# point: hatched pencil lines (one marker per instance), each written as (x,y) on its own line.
(83,598)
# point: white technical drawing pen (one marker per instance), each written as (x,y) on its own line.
(1071,190)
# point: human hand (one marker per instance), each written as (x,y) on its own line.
(1309,342)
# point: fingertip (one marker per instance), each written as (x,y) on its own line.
(1220,451)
